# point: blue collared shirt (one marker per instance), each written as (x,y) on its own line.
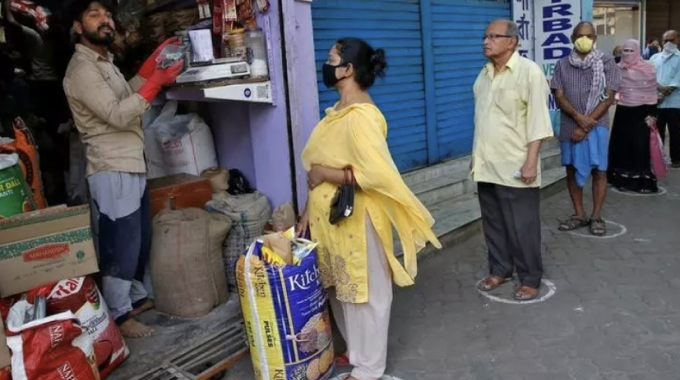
(668,75)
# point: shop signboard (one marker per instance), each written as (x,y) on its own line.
(523,15)
(554,22)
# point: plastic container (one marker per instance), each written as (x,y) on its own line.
(256,44)
(237,43)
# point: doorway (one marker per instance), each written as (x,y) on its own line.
(616,22)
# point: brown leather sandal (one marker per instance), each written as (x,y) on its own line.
(491,283)
(526,293)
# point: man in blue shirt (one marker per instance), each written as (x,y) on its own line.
(667,65)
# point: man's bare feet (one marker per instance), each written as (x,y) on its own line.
(134,330)
(146,306)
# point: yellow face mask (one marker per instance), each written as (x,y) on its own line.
(584,44)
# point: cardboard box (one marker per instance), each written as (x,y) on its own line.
(45,246)
(5,358)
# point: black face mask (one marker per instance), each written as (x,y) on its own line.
(329,77)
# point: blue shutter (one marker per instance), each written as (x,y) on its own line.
(393,25)
(458,27)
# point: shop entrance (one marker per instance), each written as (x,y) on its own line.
(616,22)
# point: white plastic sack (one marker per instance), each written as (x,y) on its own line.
(178,144)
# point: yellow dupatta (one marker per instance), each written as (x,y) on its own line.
(356,137)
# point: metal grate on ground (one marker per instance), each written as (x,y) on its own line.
(207,359)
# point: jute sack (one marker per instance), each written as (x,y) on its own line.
(249,213)
(186,262)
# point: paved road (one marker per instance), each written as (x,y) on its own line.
(615,314)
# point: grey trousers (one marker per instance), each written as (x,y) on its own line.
(512,227)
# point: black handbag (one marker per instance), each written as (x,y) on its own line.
(342,206)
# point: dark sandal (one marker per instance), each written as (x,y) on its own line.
(492,282)
(523,293)
(598,227)
(574,223)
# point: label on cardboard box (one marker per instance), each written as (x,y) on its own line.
(45,246)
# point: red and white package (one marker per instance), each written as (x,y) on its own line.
(82,297)
(52,348)
(30,9)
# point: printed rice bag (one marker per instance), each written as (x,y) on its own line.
(82,297)
(285,309)
(52,348)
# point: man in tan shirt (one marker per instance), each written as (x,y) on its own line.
(107,111)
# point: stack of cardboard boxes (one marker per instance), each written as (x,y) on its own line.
(43,247)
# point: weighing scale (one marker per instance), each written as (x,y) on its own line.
(223,68)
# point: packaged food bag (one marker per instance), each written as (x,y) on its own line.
(15,195)
(52,348)
(25,146)
(285,309)
(82,297)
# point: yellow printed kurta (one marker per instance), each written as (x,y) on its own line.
(356,137)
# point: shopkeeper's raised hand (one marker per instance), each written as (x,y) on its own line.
(149,66)
(159,79)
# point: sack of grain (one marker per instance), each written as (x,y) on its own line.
(186,262)
(249,213)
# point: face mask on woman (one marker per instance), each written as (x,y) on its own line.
(329,77)
(584,45)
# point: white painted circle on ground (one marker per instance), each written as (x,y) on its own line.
(662,191)
(546,283)
(623,231)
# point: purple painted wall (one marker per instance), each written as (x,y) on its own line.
(254,137)
(302,85)
(230,122)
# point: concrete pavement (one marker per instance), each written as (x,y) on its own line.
(615,314)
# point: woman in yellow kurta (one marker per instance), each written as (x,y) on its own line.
(356,256)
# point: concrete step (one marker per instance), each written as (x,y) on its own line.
(459,218)
(451,179)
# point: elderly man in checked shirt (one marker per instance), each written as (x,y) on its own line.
(584,84)
(511,122)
